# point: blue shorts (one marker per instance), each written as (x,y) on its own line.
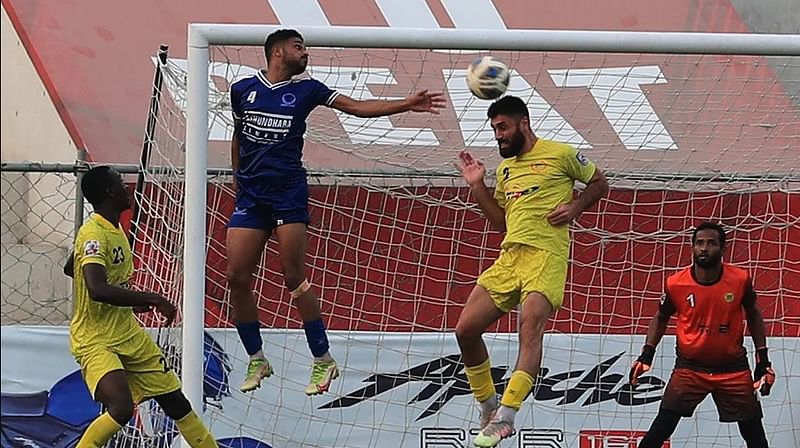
(274,206)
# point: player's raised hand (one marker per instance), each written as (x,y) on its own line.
(763,376)
(423,101)
(642,364)
(563,214)
(166,309)
(473,170)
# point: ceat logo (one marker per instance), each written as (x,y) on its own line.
(595,438)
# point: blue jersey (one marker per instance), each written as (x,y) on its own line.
(273,122)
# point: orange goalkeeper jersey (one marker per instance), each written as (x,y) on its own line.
(710,319)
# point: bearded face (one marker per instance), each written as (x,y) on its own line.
(509,136)
(298,65)
(706,250)
(512,146)
(295,56)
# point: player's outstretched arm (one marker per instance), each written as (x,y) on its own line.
(422,101)
(473,172)
(99,290)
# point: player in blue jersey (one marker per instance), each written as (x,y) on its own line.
(270,111)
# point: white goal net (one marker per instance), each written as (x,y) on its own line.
(396,242)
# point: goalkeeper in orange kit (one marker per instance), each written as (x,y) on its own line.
(711,300)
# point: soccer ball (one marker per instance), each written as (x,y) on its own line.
(487,77)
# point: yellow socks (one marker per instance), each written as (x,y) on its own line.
(99,432)
(480,381)
(104,427)
(195,432)
(519,386)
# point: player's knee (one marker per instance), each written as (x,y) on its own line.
(293,278)
(121,410)
(662,428)
(532,330)
(293,275)
(174,404)
(238,278)
(467,334)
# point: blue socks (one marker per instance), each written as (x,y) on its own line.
(249,333)
(316,337)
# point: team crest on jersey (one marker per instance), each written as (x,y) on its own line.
(538,167)
(91,247)
(288,100)
(729,297)
(582,159)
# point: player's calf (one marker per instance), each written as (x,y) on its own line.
(753,433)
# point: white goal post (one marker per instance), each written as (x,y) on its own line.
(201,36)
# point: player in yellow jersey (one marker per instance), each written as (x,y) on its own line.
(533,203)
(119,361)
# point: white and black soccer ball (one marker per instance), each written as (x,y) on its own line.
(487,77)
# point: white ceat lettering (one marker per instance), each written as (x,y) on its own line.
(477,130)
(619,94)
(370,131)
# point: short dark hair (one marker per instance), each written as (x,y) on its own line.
(277,37)
(508,105)
(96,183)
(708,225)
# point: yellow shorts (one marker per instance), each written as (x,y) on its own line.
(144,364)
(521,270)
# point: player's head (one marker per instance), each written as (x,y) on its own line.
(102,186)
(286,47)
(708,243)
(510,120)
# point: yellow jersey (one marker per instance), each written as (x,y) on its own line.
(100,242)
(532,185)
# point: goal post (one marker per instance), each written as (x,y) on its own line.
(197,126)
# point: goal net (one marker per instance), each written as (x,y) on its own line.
(396,242)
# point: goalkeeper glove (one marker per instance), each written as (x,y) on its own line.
(642,363)
(764,376)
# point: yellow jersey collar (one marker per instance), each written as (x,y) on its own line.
(100,219)
(531,152)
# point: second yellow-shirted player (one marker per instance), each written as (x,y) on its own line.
(533,203)
(120,362)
